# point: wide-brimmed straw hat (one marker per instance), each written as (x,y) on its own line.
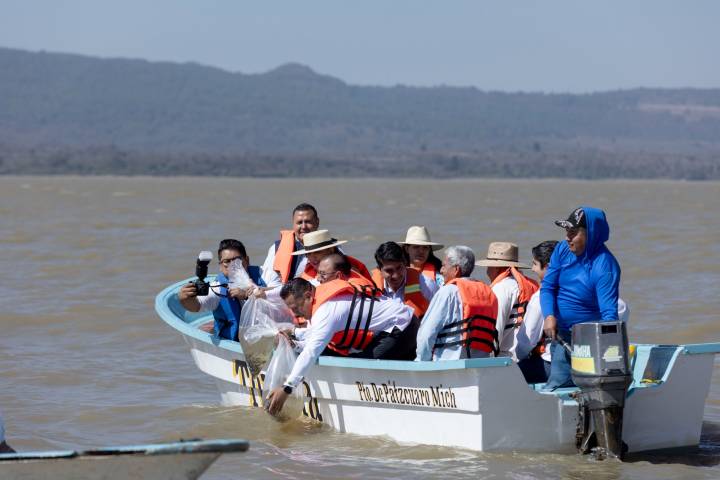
(501,254)
(418,235)
(318,240)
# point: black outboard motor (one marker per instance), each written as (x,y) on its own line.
(601,369)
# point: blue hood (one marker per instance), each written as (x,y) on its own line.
(598,232)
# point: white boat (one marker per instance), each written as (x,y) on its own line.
(480,404)
(169,461)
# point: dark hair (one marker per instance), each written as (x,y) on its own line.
(295,287)
(305,207)
(434,261)
(340,263)
(232,244)
(543,251)
(390,252)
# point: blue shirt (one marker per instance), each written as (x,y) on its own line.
(582,288)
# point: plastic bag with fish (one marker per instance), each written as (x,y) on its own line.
(260,320)
(276,375)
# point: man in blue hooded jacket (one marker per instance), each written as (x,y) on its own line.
(581,285)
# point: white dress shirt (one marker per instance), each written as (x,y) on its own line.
(507,293)
(445,308)
(331,317)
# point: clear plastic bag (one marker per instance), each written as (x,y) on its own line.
(276,374)
(237,276)
(260,320)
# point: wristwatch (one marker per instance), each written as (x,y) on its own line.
(288,389)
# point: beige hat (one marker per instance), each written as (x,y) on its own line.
(501,254)
(418,235)
(318,240)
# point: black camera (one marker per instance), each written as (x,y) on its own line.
(201,271)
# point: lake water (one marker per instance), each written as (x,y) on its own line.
(85,360)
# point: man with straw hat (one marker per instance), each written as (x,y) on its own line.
(319,244)
(419,248)
(512,289)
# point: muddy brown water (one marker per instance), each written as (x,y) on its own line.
(85,360)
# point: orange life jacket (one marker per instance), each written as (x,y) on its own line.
(357,269)
(479,313)
(357,336)
(283,257)
(412,296)
(527,288)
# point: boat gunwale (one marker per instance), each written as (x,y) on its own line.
(168,316)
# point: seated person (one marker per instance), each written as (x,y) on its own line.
(346,322)
(318,245)
(531,349)
(460,321)
(223,303)
(420,250)
(280,265)
(337,266)
(398,282)
(512,289)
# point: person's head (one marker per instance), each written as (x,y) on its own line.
(419,247)
(332,267)
(314,258)
(541,254)
(459,262)
(493,272)
(318,245)
(575,231)
(500,257)
(392,262)
(229,250)
(305,219)
(298,296)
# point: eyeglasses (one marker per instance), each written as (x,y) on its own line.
(228,261)
(324,275)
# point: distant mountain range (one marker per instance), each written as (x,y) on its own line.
(134,116)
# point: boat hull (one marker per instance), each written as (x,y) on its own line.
(480,404)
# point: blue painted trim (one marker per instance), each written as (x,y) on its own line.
(405,365)
(701,348)
(162,307)
(192,446)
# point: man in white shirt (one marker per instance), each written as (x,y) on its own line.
(512,289)
(349,323)
(460,321)
(280,267)
(400,282)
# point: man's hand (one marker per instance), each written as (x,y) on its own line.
(187,291)
(238,294)
(258,292)
(188,297)
(550,327)
(276,400)
(287,333)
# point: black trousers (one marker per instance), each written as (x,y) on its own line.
(395,345)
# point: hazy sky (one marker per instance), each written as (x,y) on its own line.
(528,45)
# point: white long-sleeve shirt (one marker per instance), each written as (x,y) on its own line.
(272,278)
(444,309)
(530,331)
(427,288)
(331,317)
(507,293)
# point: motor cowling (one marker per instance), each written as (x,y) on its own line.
(601,369)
